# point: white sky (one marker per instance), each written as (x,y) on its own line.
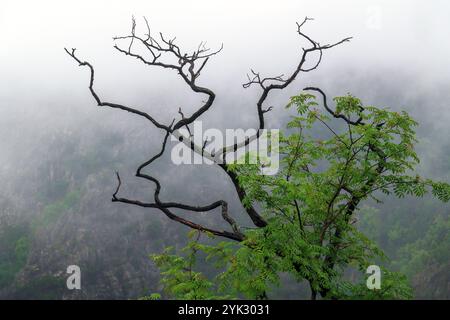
(390,38)
(409,34)
(402,47)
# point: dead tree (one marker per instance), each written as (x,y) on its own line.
(160,50)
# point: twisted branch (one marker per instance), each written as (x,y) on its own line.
(189,67)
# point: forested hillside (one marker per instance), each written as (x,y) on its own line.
(58,211)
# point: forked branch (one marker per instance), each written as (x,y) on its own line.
(166,53)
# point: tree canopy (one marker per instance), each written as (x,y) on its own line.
(311,207)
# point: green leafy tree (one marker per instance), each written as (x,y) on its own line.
(311,205)
(305,226)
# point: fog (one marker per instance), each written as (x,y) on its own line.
(397,46)
(399,57)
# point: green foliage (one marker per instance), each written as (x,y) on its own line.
(41,288)
(179,278)
(52,212)
(14,250)
(395,286)
(311,206)
(414,233)
(153,296)
(15,241)
(428,252)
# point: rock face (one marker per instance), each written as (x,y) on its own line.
(111,244)
(56,211)
(63,216)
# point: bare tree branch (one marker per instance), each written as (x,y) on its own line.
(109,104)
(269,84)
(164,206)
(333,113)
(166,53)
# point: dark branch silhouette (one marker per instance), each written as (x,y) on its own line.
(166,53)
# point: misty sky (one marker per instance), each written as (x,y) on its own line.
(400,49)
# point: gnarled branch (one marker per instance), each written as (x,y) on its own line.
(166,53)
